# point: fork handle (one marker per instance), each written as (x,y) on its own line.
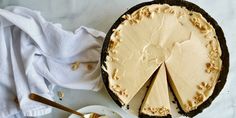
(46,101)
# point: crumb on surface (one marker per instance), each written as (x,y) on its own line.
(89,67)
(75,65)
(60,94)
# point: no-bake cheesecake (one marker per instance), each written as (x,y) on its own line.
(177,42)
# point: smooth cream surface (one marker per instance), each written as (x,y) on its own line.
(157,34)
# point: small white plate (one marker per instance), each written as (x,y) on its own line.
(97,109)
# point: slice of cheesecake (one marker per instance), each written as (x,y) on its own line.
(192,73)
(156,102)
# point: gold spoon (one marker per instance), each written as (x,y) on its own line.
(46,101)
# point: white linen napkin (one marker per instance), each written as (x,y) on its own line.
(35,55)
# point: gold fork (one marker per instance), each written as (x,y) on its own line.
(46,101)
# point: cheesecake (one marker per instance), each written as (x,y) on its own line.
(156,101)
(173,40)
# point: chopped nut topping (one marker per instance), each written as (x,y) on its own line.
(214,56)
(203,84)
(194,20)
(198,93)
(202,27)
(198,98)
(187,107)
(199,87)
(216,68)
(207,45)
(211,52)
(172,11)
(115,86)
(215,50)
(134,21)
(208,65)
(137,16)
(198,24)
(112,44)
(157,10)
(116,33)
(206,92)
(114,75)
(152,14)
(212,67)
(166,9)
(134,18)
(208,86)
(208,70)
(126,17)
(117,89)
(152,109)
(190,103)
(145,11)
(160,110)
(207,36)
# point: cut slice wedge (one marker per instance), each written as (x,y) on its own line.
(188,79)
(156,102)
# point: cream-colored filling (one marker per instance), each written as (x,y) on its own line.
(161,33)
(156,102)
(186,67)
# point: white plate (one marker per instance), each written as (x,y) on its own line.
(97,109)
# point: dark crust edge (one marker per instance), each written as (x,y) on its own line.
(147,116)
(192,7)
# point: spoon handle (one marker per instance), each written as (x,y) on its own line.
(46,101)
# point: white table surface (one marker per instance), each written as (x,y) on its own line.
(101,14)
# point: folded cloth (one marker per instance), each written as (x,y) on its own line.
(36,55)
